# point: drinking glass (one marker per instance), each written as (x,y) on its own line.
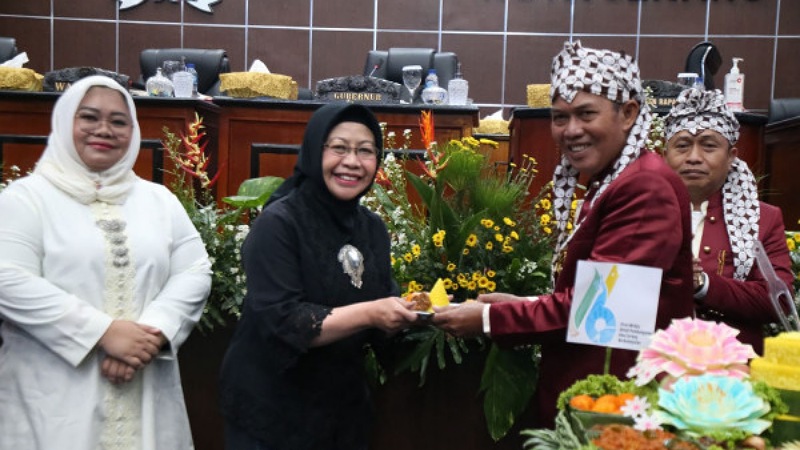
(412,77)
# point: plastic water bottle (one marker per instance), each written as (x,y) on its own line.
(699,84)
(433,93)
(190,68)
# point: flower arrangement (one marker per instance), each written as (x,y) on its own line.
(453,217)
(222,227)
(793,242)
(472,227)
(690,388)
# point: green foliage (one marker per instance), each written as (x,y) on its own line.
(793,242)
(453,217)
(508,382)
(597,385)
(254,193)
(561,438)
(222,228)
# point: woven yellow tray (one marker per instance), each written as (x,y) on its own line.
(257,84)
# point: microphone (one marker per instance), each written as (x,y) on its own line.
(703,65)
(376,67)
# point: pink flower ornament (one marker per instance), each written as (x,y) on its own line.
(690,347)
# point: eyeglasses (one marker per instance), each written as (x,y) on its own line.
(364,152)
(89,122)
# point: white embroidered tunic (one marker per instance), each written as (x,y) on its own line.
(63,278)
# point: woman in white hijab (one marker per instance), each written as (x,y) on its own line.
(102,278)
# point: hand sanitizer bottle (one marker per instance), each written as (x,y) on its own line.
(734,87)
(457,89)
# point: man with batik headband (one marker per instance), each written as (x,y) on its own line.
(727,217)
(635,211)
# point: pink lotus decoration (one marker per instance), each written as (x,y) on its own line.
(690,347)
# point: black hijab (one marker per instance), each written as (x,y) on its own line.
(309,160)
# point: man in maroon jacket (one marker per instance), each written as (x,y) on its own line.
(727,217)
(636,211)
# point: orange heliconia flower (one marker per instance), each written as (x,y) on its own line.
(382,179)
(426,128)
(194,160)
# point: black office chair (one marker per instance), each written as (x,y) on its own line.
(208,63)
(705,60)
(783,108)
(388,64)
(8,48)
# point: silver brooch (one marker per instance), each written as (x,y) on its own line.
(114,233)
(352,263)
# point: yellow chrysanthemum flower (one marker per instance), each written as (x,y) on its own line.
(499,237)
(544,220)
(451,267)
(492,286)
(472,285)
(491,273)
(547,230)
(509,222)
(465,252)
(489,245)
(408,257)
(545,204)
(508,249)
(514,235)
(487,223)
(416,250)
(489,142)
(796,237)
(447,283)
(472,240)
(471,141)
(790,243)
(483,282)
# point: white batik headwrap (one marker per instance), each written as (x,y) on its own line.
(696,110)
(608,74)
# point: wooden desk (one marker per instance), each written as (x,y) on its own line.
(245,122)
(530,135)
(29,113)
(782,141)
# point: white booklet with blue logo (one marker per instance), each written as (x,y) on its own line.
(614,305)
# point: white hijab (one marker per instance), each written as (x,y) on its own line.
(62,165)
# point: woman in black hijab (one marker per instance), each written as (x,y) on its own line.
(319,283)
